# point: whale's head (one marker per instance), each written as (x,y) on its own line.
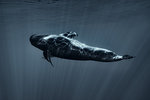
(38,41)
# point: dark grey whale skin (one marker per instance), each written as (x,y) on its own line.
(65,46)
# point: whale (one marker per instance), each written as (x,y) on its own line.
(65,46)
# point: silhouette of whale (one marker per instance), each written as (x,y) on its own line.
(65,46)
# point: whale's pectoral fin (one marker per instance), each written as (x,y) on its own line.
(47,56)
(69,34)
(49,60)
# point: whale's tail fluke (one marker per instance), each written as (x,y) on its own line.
(128,57)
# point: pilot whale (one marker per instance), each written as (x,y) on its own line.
(65,46)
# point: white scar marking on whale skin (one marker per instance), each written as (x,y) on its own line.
(79,44)
(117,57)
(50,36)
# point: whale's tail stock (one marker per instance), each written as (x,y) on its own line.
(112,57)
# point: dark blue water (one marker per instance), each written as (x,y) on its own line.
(122,26)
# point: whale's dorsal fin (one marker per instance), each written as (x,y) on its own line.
(69,34)
(47,56)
